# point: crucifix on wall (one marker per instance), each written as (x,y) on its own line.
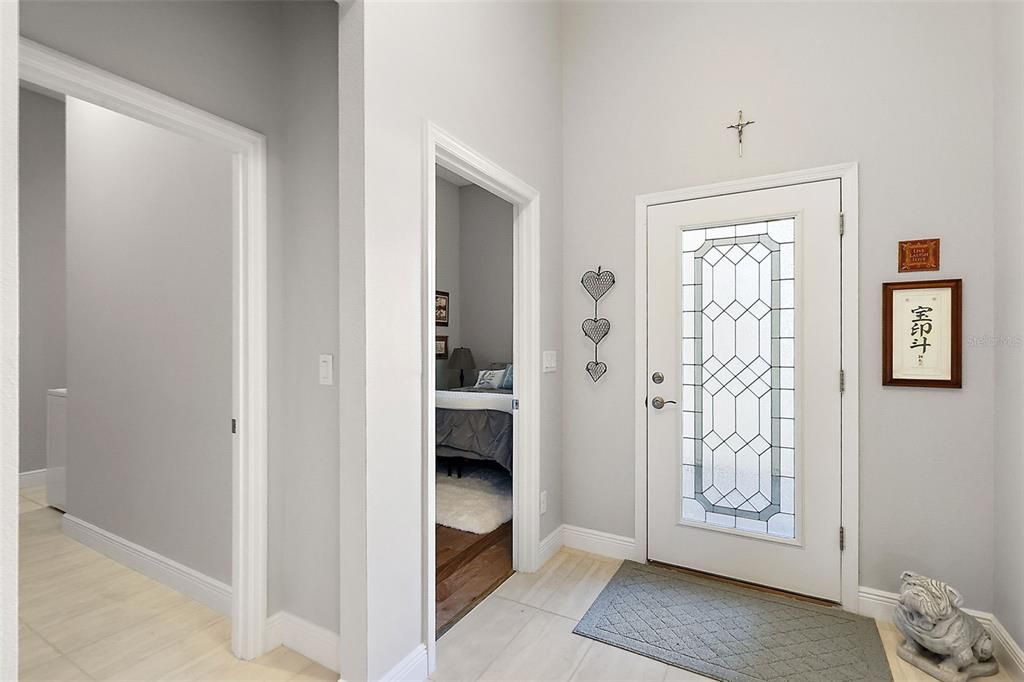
(738,126)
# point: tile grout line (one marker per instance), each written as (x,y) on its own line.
(506,645)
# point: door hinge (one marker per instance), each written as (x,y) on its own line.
(842,539)
(515,403)
(842,381)
(234,426)
(842,224)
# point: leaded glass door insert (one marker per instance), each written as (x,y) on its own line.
(738,308)
(743,413)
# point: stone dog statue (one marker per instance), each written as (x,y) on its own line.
(941,639)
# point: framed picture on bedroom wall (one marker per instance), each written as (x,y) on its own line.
(441,299)
(441,347)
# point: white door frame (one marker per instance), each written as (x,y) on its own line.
(847,175)
(59,73)
(442,148)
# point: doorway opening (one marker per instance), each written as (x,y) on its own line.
(511,385)
(474,431)
(166,348)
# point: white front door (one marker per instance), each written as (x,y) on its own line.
(743,409)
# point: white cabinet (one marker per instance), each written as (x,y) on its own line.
(56,447)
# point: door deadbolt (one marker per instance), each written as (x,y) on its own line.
(657,377)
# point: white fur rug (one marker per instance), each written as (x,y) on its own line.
(478,502)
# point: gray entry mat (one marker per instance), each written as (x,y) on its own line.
(731,633)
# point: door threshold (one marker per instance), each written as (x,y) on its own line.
(747,585)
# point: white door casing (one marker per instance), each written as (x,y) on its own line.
(763,491)
(56,72)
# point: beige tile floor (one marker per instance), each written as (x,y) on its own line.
(523,631)
(86,617)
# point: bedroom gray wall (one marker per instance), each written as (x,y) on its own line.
(652,86)
(149,351)
(1008,586)
(41,238)
(486,257)
(448,278)
(232,65)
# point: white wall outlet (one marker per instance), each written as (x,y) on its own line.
(543,501)
(326,370)
(550,361)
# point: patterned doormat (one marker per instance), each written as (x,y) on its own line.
(731,633)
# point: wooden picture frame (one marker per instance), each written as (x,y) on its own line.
(922,333)
(442,299)
(441,347)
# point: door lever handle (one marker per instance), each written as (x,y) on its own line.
(657,402)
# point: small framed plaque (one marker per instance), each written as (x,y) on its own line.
(919,255)
(441,347)
(922,328)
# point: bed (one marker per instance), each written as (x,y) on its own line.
(476,424)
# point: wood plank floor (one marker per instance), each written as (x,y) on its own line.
(86,617)
(469,567)
(523,631)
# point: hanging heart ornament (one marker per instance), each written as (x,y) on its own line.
(596,328)
(597,284)
(596,370)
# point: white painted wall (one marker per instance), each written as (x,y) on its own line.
(490,74)
(233,64)
(905,89)
(41,257)
(1008,585)
(447,220)
(486,253)
(149,364)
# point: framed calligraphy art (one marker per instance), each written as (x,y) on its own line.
(922,333)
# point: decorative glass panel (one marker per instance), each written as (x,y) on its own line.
(738,377)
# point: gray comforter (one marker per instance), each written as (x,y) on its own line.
(475,434)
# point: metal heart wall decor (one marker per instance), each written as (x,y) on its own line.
(597,283)
(596,328)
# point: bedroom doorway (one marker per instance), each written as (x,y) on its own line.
(481,383)
(474,382)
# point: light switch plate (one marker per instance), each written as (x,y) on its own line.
(550,361)
(326,370)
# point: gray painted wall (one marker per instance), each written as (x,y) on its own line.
(233,65)
(1008,583)
(149,234)
(903,88)
(41,237)
(305,454)
(447,221)
(486,257)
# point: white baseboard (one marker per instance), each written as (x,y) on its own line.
(549,547)
(312,641)
(587,540)
(881,605)
(412,668)
(31,479)
(598,542)
(188,581)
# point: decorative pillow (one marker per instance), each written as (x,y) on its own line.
(490,378)
(507,382)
